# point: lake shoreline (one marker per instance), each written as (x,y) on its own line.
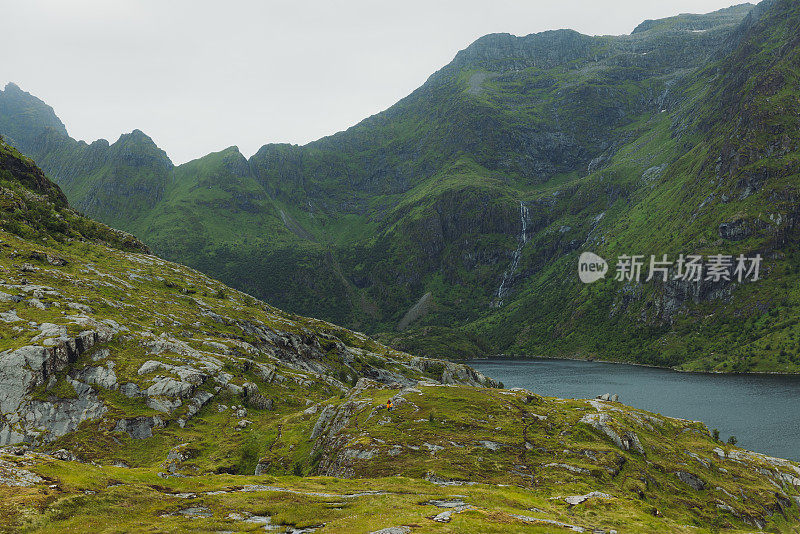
(502,357)
(758,408)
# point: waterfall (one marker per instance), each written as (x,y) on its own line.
(523,238)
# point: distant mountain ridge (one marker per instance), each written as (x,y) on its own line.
(611,143)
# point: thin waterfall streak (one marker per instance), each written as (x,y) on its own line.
(523,238)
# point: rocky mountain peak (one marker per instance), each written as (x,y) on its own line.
(729,16)
(23,117)
(235,161)
(545,49)
(139,149)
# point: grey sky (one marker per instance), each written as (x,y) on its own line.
(198,76)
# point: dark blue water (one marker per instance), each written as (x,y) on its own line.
(762,411)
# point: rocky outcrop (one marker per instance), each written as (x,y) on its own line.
(254,399)
(452,373)
(677,295)
(578,499)
(14,476)
(139,427)
(626,441)
(692,480)
(35,367)
(338,460)
(100,376)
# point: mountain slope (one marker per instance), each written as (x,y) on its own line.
(482,187)
(729,187)
(143,395)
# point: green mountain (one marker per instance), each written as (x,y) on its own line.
(139,395)
(452,222)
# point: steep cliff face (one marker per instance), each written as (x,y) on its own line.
(131,179)
(675,139)
(729,188)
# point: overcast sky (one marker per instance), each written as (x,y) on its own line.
(199,76)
